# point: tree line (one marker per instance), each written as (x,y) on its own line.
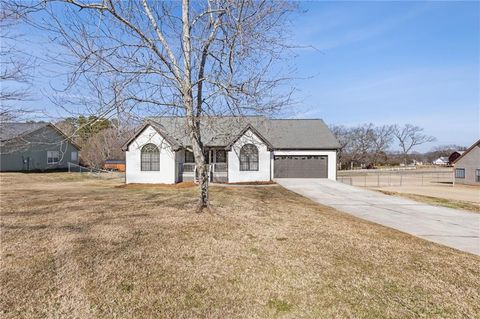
(368,145)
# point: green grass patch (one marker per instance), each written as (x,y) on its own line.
(279,305)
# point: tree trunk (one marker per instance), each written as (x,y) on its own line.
(203,173)
(201,166)
(193,124)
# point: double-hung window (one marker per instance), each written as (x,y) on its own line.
(53,157)
(189,158)
(459,173)
(477,175)
(221,156)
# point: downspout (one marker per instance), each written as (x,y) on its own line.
(336,165)
(271,166)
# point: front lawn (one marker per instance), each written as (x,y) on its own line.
(75,247)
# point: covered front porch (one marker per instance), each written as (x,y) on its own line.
(217,162)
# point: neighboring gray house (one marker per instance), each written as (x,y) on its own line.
(238,149)
(467,166)
(35,147)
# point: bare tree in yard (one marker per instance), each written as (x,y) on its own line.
(193,59)
(364,144)
(410,136)
(15,66)
(355,143)
(382,139)
(361,145)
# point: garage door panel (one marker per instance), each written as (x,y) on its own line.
(300,166)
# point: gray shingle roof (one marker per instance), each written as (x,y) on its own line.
(10,130)
(281,133)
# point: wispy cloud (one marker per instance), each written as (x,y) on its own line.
(337,28)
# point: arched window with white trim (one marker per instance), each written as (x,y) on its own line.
(249,158)
(150,158)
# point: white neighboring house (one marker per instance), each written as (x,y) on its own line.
(441,161)
(238,149)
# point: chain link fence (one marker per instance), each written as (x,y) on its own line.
(379,178)
(94,172)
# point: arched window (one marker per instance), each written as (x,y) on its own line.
(150,158)
(249,158)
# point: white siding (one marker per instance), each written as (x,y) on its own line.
(264,160)
(332,159)
(168,171)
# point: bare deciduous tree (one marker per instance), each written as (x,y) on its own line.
(364,144)
(409,136)
(382,138)
(192,59)
(361,144)
(106,144)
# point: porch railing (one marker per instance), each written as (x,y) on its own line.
(214,168)
(217,172)
(188,167)
(219,167)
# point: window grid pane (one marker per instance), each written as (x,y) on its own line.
(459,173)
(221,156)
(150,158)
(53,157)
(189,158)
(249,158)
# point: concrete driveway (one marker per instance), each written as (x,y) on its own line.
(450,227)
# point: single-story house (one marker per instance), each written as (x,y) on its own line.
(453,157)
(238,149)
(441,161)
(35,147)
(467,166)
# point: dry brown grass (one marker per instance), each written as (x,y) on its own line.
(164,186)
(251,183)
(462,193)
(74,247)
(437,201)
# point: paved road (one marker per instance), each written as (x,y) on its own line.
(451,227)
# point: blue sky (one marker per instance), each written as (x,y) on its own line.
(392,62)
(379,62)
